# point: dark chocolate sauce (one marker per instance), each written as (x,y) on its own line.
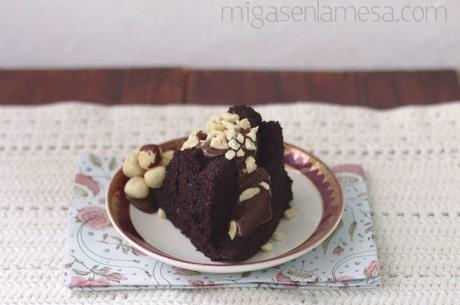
(252,213)
(211,152)
(253,179)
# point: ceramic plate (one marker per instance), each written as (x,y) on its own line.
(317,200)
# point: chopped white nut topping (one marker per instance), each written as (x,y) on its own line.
(267,247)
(249,193)
(233,144)
(229,125)
(161,213)
(227,132)
(191,142)
(253,133)
(278,236)
(230,154)
(154,177)
(232,229)
(244,124)
(289,213)
(213,134)
(131,167)
(215,126)
(219,142)
(215,119)
(249,144)
(136,188)
(230,117)
(230,134)
(250,164)
(265,185)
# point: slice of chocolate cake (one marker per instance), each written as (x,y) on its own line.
(227,189)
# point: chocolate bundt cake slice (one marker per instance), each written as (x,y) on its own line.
(227,188)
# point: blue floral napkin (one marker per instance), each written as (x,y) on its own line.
(98,258)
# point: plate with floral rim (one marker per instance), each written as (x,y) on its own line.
(318,202)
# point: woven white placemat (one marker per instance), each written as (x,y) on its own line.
(411,157)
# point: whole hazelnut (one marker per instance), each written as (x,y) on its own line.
(149,156)
(154,177)
(136,188)
(131,167)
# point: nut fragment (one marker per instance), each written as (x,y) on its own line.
(213,134)
(253,133)
(289,213)
(230,117)
(249,144)
(249,193)
(230,134)
(136,188)
(229,125)
(219,142)
(265,185)
(131,167)
(215,126)
(149,156)
(240,138)
(166,157)
(244,124)
(154,177)
(240,153)
(250,164)
(278,236)
(267,247)
(215,119)
(233,144)
(232,229)
(230,154)
(161,213)
(191,142)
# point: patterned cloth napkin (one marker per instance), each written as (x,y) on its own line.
(98,258)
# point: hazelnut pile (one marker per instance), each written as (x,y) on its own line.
(228,133)
(146,168)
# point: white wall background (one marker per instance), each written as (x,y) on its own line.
(108,33)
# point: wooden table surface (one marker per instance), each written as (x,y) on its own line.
(185,86)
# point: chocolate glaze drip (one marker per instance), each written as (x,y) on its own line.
(251,213)
(211,152)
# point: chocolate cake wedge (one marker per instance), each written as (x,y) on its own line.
(227,189)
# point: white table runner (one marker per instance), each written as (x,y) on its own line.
(412,162)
